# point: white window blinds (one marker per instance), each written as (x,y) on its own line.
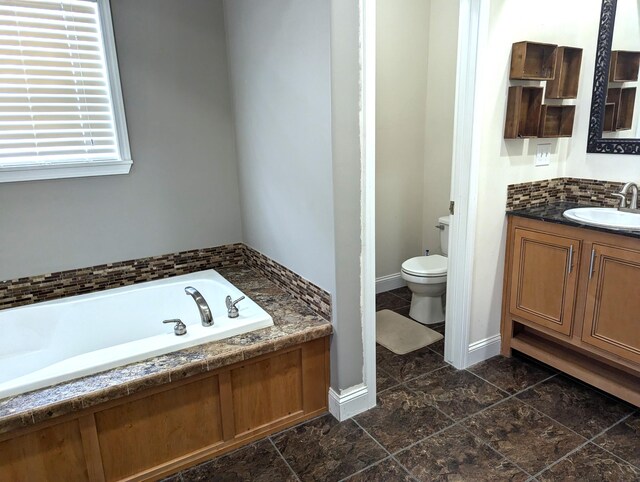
(56,103)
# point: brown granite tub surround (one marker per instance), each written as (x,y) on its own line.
(294,323)
(51,286)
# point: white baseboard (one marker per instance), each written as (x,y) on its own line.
(349,402)
(389,282)
(483,349)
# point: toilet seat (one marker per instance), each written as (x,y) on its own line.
(434,266)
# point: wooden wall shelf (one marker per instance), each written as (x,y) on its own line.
(619,116)
(523,112)
(533,61)
(559,67)
(556,120)
(625,109)
(609,117)
(624,66)
(565,83)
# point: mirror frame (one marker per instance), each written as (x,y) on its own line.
(595,142)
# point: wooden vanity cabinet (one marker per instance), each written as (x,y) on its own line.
(544,278)
(612,313)
(571,299)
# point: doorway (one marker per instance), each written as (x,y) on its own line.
(464,180)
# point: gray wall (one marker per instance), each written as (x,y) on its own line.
(280,64)
(347,344)
(182,191)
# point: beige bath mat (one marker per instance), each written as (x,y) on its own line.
(402,335)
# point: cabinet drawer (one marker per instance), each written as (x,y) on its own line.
(612,311)
(544,278)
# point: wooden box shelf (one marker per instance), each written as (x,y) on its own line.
(609,117)
(533,61)
(625,108)
(565,83)
(523,112)
(556,120)
(619,116)
(624,66)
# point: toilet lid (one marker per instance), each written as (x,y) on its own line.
(434,265)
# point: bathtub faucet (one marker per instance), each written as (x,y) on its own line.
(203,307)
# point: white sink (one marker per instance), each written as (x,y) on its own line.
(604,217)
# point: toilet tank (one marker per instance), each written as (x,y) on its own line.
(444,234)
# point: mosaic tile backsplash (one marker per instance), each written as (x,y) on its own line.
(582,191)
(313,296)
(51,286)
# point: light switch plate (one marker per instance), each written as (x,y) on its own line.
(543,155)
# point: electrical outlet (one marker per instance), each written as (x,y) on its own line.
(543,155)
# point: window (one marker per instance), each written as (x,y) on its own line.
(61,110)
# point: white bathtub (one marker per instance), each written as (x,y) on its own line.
(55,341)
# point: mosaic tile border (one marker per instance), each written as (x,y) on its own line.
(581,191)
(315,297)
(52,286)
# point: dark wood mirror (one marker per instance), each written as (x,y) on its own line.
(603,121)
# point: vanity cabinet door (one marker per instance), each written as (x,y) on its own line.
(544,279)
(612,314)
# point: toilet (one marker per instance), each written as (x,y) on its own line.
(426,277)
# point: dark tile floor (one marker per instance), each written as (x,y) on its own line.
(503,419)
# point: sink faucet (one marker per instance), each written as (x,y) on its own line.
(622,195)
(205,312)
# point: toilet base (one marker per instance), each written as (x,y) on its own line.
(427,310)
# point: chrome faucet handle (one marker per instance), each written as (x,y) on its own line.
(622,198)
(180,328)
(206,316)
(633,205)
(232,310)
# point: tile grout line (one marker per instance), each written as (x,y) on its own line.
(495,450)
(569,428)
(424,439)
(430,404)
(592,440)
(458,422)
(598,391)
(390,455)
(303,422)
(581,446)
(565,456)
(502,390)
(371,436)
(509,397)
(283,459)
(409,472)
(519,391)
(344,479)
(389,376)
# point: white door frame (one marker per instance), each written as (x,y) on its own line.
(464,183)
(368,194)
(464,188)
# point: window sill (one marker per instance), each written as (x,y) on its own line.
(36,172)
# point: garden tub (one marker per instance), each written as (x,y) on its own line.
(55,341)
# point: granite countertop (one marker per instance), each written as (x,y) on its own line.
(552,212)
(294,323)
